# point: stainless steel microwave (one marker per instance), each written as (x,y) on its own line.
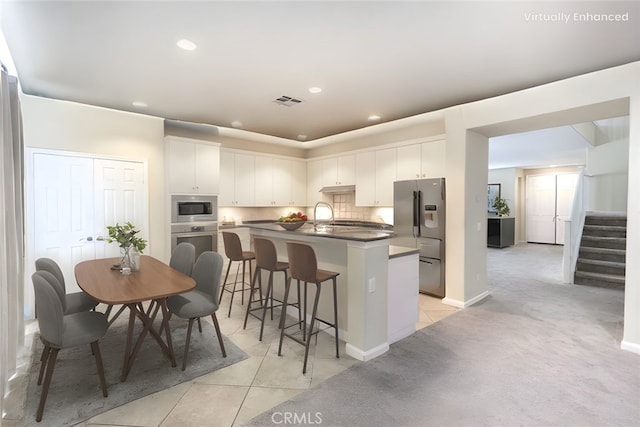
(194,209)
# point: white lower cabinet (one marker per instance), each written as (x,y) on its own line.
(402,301)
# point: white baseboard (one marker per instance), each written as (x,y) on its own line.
(364,356)
(630,346)
(464,304)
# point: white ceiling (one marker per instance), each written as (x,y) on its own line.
(394,59)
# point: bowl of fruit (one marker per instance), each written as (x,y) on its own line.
(293,221)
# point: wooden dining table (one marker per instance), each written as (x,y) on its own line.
(153,282)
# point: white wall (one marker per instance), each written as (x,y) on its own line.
(69,126)
(607,176)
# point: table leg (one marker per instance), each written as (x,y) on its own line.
(165,322)
(137,310)
(127,351)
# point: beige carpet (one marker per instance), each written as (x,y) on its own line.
(534,353)
(75,394)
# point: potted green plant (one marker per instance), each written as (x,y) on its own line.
(501,206)
(125,236)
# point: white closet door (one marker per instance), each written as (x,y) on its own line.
(63,211)
(541,209)
(119,197)
(565,192)
(74,199)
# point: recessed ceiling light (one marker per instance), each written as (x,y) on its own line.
(373,118)
(139,104)
(315,89)
(302,137)
(186,44)
(236,124)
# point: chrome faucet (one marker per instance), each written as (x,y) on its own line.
(315,218)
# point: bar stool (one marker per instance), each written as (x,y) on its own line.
(267,259)
(233,251)
(304,266)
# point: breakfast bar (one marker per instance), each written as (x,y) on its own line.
(361,256)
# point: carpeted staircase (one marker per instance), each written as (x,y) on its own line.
(601,260)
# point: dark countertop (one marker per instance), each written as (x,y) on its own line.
(357,233)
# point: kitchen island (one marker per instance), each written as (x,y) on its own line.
(361,256)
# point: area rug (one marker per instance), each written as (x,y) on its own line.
(75,394)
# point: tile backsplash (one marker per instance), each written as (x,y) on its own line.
(344,207)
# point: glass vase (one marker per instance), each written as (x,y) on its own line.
(127,258)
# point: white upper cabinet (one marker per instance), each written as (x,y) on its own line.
(409,162)
(237,183)
(194,166)
(433,159)
(280,182)
(375,175)
(298,183)
(385,176)
(314,181)
(339,170)
(264,181)
(425,160)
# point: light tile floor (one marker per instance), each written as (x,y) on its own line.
(235,394)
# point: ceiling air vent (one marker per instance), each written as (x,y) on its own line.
(287,101)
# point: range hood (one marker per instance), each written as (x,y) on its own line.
(338,189)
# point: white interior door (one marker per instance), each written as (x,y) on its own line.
(565,191)
(549,203)
(541,208)
(63,211)
(119,197)
(74,199)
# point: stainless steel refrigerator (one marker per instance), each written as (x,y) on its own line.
(419,222)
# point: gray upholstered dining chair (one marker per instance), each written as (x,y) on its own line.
(59,331)
(75,302)
(183,257)
(203,300)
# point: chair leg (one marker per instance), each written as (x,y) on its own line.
(199,325)
(283,314)
(51,363)
(244,262)
(186,345)
(224,282)
(96,350)
(217,326)
(335,313)
(313,321)
(235,284)
(43,362)
(304,313)
(252,291)
(266,303)
(300,312)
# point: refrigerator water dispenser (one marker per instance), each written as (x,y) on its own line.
(431,216)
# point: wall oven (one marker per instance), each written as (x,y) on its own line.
(194,219)
(192,209)
(202,235)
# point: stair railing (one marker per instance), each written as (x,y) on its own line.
(573,230)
